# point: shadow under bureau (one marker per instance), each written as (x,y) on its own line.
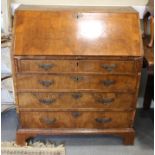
(76,70)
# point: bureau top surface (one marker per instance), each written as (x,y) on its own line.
(76,8)
(92,31)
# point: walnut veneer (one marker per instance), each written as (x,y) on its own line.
(76,70)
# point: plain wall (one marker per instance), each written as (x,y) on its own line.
(82,2)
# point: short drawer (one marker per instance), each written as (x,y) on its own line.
(62,82)
(76,119)
(81,66)
(50,66)
(107,66)
(76,100)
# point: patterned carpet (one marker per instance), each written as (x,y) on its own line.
(37,148)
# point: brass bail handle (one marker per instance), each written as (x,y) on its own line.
(47,101)
(103,120)
(76,114)
(46,83)
(108,82)
(46,66)
(105,100)
(77,95)
(109,67)
(47,121)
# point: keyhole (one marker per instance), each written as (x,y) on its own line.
(77,64)
(78,15)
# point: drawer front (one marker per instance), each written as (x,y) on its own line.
(76,119)
(45,82)
(48,66)
(81,66)
(107,67)
(76,100)
(107,83)
(83,82)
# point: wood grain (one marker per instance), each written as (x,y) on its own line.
(69,32)
(79,120)
(76,70)
(76,82)
(77,66)
(112,101)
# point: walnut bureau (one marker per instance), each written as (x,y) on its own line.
(76,70)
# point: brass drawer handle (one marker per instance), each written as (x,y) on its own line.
(77,78)
(76,95)
(48,121)
(105,100)
(109,67)
(46,66)
(103,120)
(47,101)
(76,114)
(108,82)
(46,83)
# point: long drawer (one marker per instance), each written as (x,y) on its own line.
(80,66)
(76,100)
(106,83)
(76,119)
